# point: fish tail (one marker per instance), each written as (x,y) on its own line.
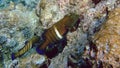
(25,48)
(21,51)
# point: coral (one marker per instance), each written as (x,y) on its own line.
(107,39)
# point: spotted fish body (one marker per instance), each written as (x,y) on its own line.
(58,31)
(27,46)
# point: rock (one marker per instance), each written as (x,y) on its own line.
(33,61)
(2,39)
(107,40)
(48,12)
(30,4)
(52,11)
(27,33)
(11,43)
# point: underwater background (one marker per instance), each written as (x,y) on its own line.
(95,43)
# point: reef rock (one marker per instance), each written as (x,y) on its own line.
(33,61)
(51,11)
(107,40)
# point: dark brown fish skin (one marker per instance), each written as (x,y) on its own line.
(63,27)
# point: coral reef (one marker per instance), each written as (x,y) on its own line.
(95,44)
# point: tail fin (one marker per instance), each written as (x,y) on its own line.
(27,46)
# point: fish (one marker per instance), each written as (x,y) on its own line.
(51,35)
(28,45)
(58,31)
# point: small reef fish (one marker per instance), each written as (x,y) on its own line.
(58,31)
(51,35)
